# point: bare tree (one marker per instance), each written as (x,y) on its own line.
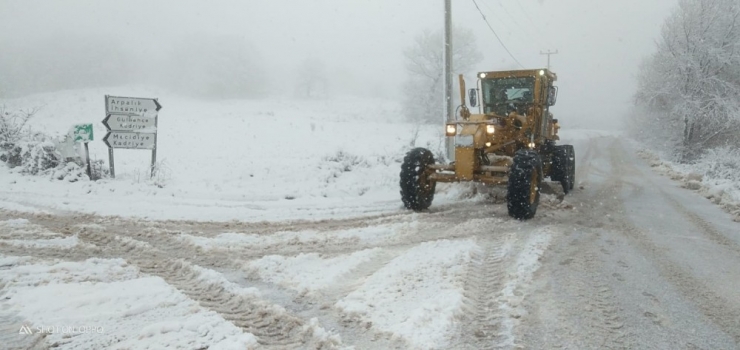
(423,99)
(312,78)
(13,124)
(689,90)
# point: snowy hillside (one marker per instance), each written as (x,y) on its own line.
(232,159)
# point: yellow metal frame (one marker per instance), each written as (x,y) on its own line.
(512,132)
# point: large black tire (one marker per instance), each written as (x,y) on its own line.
(571,152)
(525,180)
(561,168)
(417,191)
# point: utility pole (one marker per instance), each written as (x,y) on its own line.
(449,141)
(549,53)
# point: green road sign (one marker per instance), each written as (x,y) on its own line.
(82,132)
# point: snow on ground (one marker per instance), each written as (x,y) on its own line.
(14,222)
(300,272)
(249,160)
(239,241)
(418,295)
(66,242)
(14,229)
(520,277)
(105,303)
(210,276)
(20,233)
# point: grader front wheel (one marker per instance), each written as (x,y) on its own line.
(417,192)
(525,179)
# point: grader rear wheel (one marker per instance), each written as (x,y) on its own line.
(562,168)
(525,180)
(571,154)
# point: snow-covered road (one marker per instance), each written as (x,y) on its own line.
(629,260)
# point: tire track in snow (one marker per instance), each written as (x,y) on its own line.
(724,314)
(704,226)
(482,325)
(602,312)
(274,327)
(158,250)
(585,303)
(169,239)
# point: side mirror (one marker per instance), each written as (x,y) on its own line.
(473,93)
(552,96)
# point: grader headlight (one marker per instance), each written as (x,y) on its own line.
(451,130)
(490,129)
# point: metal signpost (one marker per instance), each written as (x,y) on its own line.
(131,124)
(84,133)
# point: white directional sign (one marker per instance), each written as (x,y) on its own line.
(115,122)
(131,124)
(134,106)
(130,140)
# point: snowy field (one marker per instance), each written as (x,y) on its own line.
(279,226)
(232,160)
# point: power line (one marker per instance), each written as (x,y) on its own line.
(496,35)
(527,30)
(534,25)
(503,19)
(530,32)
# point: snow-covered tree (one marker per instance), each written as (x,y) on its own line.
(688,96)
(423,90)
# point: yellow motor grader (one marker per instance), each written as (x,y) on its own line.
(511,141)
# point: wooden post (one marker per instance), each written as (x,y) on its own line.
(110,149)
(87,158)
(154,150)
(110,159)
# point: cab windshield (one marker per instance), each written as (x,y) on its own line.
(502,95)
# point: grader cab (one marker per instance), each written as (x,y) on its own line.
(510,141)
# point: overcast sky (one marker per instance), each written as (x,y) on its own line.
(600,42)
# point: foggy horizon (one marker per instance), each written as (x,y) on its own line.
(77,44)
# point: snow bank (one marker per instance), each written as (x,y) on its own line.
(716,176)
